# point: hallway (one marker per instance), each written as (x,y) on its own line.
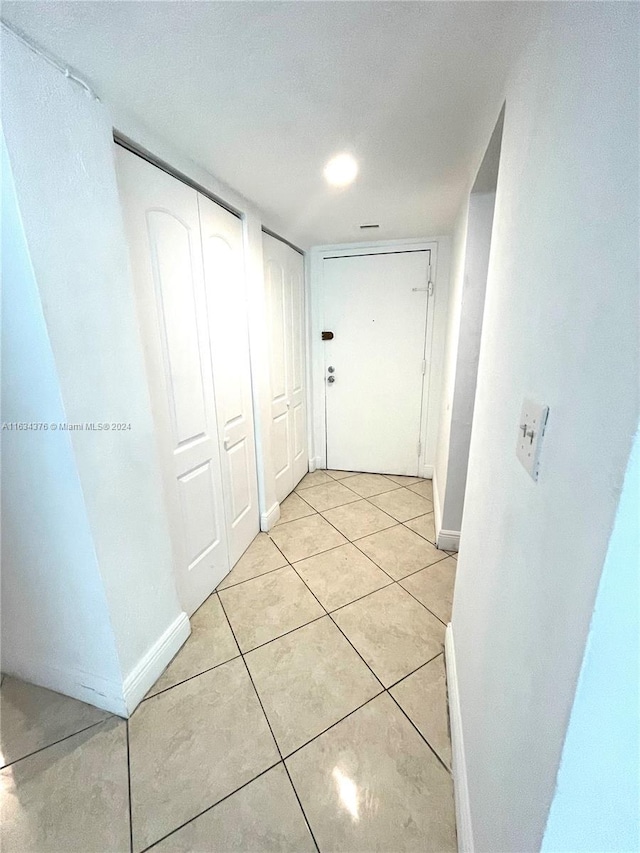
(311,694)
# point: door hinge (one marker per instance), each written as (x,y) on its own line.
(424,366)
(419,448)
(429,282)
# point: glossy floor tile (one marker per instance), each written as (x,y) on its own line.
(72,796)
(317,657)
(306,537)
(308,680)
(358,519)
(425,526)
(260,557)
(402,480)
(341,575)
(424,488)
(262,817)
(315,478)
(293,508)
(32,718)
(269,606)
(400,551)
(402,504)
(371,484)
(329,495)
(211,643)
(392,631)
(192,745)
(433,586)
(372,784)
(423,696)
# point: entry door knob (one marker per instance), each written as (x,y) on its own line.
(331,379)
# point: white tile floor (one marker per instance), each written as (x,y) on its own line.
(307,711)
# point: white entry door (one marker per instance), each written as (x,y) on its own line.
(226,299)
(376,307)
(284,289)
(163,227)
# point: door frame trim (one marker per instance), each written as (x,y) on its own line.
(317,255)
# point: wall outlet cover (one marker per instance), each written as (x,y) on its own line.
(531,430)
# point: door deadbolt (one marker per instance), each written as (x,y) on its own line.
(331,368)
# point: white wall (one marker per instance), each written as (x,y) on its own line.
(451,334)
(60,149)
(437,323)
(462,364)
(596,803)
(50,575)
(560,326)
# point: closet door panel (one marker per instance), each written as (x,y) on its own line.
(284,288)
(278,322)
(298,366)
(162,223)
(223,261)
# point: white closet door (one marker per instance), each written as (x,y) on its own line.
(298,391)
(161,216)
(225,291)
(284,284)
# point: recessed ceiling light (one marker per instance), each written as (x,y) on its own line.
(341,170)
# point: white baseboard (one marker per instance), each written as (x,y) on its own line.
(464,826)
(86,687)
(448,540)
(437,506)
(149,669)
(427,472)
(314,463)
(270,518)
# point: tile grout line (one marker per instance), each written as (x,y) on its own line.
(212,806)
(255,690)
(191,677)
(413,671)
(420,733)
(397,580)
(423,604)
(384,689)
(283,758)
(339,628)
(218,590)
(60,740)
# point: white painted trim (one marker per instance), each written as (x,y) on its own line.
(84,686)
(427,472)
(437,507)
(270,518)
(375,246)
(151,666)
(315,463)
(448,540)
(464,826)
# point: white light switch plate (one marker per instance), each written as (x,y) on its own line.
(533,422)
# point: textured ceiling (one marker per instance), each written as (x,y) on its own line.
(262,94)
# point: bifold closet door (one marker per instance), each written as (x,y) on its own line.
(284,285)
(223,262)
(188,269)
(163,228)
